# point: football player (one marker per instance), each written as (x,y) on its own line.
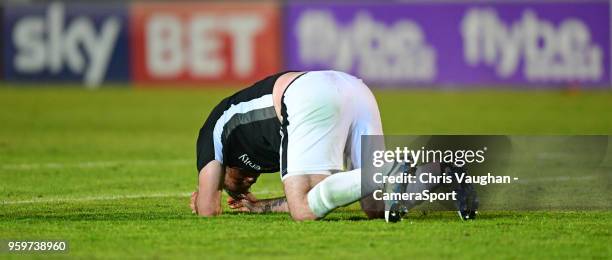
(305,125)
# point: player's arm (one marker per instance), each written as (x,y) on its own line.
(267,205)
(210,185)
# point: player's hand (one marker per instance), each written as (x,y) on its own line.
(250,197)
(250,206)
(238,204)
(193,204)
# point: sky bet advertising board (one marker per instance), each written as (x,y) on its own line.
(204,43)
(59,42)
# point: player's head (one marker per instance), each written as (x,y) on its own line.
(238,181)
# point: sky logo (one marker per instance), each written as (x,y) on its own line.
(66,43)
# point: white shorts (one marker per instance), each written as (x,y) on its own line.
(325,113)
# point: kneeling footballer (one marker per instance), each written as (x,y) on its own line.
(305,125)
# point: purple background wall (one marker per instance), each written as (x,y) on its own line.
(516,43)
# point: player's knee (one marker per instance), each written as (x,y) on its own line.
(374,214)
(372,208)
(300,211)
(303,216)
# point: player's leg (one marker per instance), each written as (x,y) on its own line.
(312,196)
(296,191)
(315,133)
(363,118)
(372,208)
(366,121)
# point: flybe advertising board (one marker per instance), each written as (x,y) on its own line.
(457,43)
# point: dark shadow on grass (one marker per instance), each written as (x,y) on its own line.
(237,213)
(443,215)
(92,213)
(101,215)
(355,215)
(347,218)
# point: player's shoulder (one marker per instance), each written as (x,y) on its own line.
(258,89)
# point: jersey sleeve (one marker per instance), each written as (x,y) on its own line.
(205,146)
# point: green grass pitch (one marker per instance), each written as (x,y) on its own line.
(111,170)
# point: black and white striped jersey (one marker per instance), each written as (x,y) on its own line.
(243,131)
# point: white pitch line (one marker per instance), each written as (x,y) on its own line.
(92,164)
(111,197)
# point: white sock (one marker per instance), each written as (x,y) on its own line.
(335,191)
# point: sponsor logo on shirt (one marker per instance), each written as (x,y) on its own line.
(247,161)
